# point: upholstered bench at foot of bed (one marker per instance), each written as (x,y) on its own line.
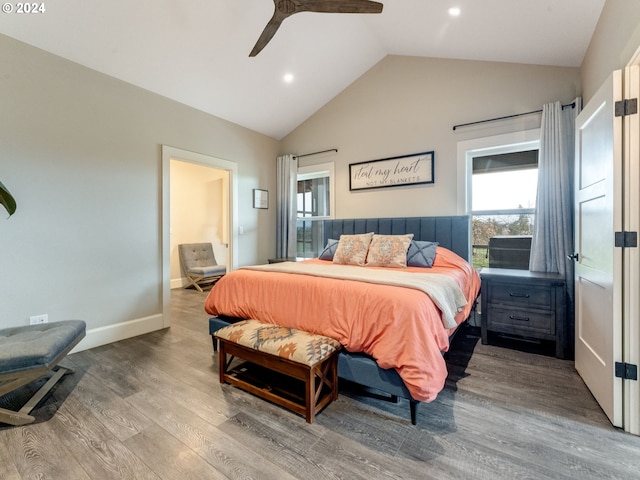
(29,352)
(357,368)
(310,359)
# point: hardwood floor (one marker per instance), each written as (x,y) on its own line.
(151,407)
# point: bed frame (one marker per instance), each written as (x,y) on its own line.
(450,232)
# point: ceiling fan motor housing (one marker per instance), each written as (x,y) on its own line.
(286,6)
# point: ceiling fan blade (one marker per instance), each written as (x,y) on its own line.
(268,33)
(338,6)
(286,8)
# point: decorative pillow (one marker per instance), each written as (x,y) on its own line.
(352,249)
(388,250)
(421,254)
(330,250)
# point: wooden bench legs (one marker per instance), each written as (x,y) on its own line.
(320,380)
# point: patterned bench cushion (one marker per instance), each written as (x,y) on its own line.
(295,345)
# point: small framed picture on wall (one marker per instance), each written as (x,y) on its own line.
(260,198)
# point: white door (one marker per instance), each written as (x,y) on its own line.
(598,269)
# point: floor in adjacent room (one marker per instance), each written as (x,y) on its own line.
(151,407)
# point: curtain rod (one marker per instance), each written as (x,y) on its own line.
(572,105)
(316,153)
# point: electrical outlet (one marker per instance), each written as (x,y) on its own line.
(38,319)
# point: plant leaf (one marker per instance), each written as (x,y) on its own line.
(7,200)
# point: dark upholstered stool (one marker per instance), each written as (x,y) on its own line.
(27,353)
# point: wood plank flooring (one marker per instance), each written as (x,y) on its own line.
(151,407)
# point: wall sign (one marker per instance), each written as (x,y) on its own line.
(392,172)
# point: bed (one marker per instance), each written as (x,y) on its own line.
(394,333)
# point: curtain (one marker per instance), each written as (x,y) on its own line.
(552,238)
(286,209)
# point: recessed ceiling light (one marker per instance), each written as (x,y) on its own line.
(455,11)
(288,77)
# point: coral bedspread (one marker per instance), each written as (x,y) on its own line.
(400,327)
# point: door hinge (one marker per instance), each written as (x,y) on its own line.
(626,371)
(626,107)
(626,239)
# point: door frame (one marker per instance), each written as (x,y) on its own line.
(631,256)
(172,153)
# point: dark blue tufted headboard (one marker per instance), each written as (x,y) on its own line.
(450,232)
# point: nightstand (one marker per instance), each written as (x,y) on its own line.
(280,260)
(524,304)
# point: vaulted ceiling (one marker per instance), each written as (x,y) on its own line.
(197,51)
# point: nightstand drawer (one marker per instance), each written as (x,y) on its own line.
(531,296)
(521,320)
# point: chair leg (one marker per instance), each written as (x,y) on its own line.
(15,418)
(33,401)
(193,283)
(208,281)
(22,416)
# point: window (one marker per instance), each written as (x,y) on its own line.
(313,197)
(501,180)
(315,200)
(503,201)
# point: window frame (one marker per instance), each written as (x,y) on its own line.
(307,173)
(492,145)
(497,144)
(318,171)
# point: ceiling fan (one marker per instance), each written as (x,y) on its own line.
(286,8)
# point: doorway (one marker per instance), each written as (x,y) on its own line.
(198,212)
(227,173)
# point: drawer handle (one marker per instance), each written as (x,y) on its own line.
(522,319)
(519,295)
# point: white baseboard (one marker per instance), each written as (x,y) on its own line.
(97,337)
(178,283)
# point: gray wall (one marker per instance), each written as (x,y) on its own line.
(81,152)
(615,40)
(407,105)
